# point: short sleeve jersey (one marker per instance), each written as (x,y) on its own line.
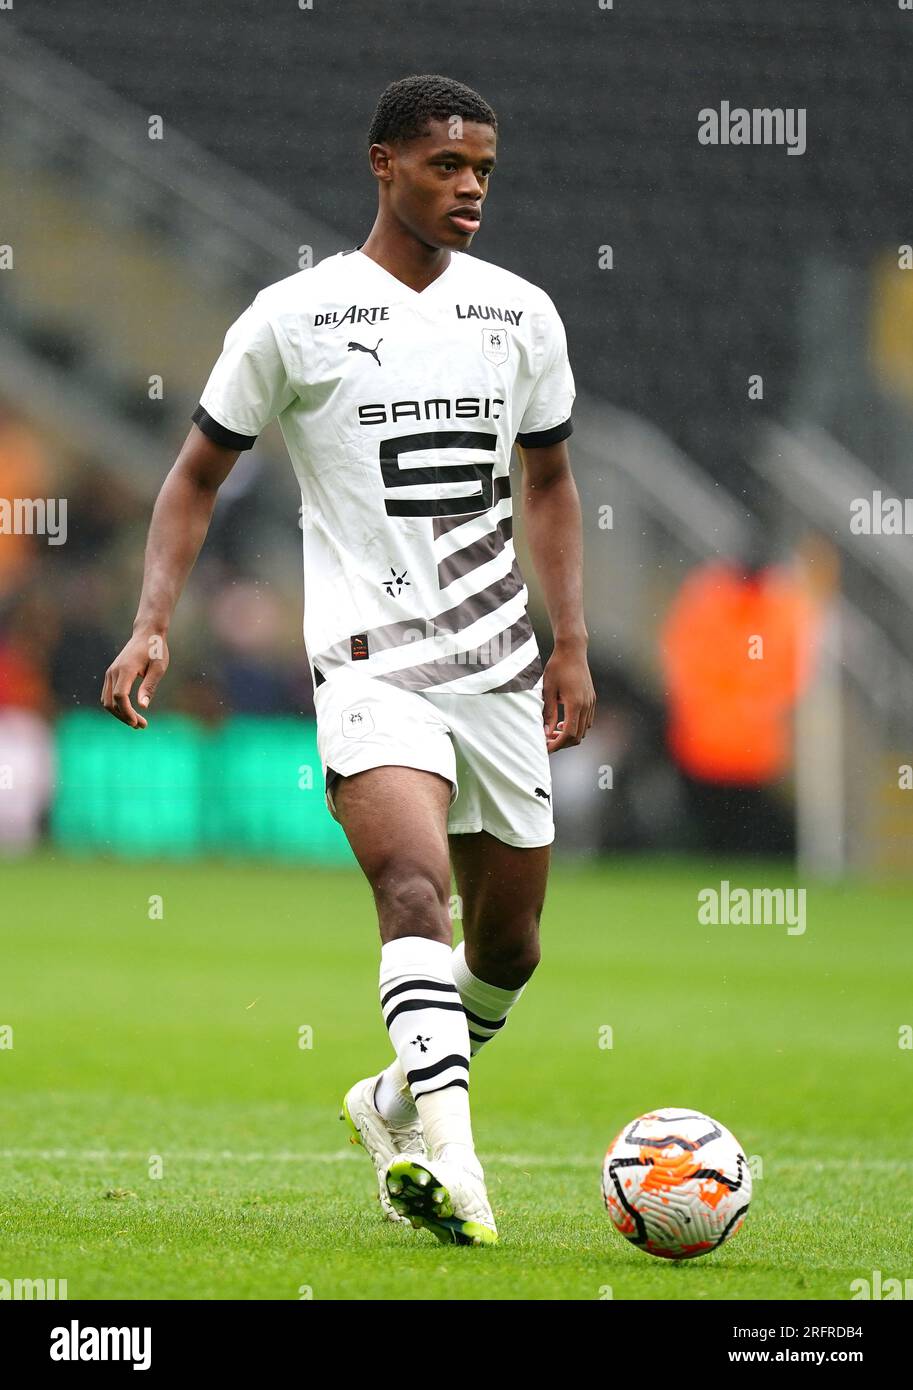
(400,410)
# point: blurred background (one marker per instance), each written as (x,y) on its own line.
(740,324)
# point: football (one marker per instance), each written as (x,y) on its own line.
(676,1183)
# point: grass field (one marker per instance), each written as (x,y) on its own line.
(179,1039)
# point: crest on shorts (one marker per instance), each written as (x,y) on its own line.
(357,721)
(495,344)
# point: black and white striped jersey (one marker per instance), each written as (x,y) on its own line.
(400,410)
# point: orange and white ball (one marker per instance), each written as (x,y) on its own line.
(676,1183)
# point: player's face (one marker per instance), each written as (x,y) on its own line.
(438,182)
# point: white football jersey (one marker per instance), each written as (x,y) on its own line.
(400,410)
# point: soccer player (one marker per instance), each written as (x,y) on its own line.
(402,373)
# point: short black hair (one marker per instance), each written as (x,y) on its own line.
(407,105)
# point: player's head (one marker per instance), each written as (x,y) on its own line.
(432,150)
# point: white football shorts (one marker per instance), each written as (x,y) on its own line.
(490,747)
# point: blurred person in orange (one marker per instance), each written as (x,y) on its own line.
(738,649)
(23,474)
(26,739)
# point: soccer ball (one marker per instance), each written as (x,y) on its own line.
(676,1183)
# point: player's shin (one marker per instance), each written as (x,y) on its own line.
(487,1006)
(427,1026)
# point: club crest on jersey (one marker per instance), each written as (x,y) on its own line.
(495,345)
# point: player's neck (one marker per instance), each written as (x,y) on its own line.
(404,256)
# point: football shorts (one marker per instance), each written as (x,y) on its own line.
(490,747)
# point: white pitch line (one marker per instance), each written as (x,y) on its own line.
(508,1160)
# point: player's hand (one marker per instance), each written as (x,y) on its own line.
(145,655)
(567,680)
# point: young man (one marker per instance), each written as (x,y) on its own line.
(402,373)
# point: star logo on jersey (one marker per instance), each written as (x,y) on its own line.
(397,582)
(495,345)
(372,351)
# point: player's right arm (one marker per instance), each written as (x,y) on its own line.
(180,521)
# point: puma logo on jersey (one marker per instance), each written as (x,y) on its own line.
(360,347)
(546,796)
(488,311)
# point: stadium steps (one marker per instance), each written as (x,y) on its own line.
(124,270)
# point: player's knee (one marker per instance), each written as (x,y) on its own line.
(524,961)
(509,960)
(412,901)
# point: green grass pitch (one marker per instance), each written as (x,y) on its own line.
(143,1045)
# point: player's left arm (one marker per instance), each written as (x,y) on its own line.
(554,533)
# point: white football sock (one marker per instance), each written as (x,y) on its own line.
(392,1097)
(427,1026)
(487,1006)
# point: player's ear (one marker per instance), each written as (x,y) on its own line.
(380,159)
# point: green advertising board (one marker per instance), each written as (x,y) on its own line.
(177,789)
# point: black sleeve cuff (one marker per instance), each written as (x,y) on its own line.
(219,434)
(540,439)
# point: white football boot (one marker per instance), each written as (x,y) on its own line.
(382,1140)
(446,1194)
